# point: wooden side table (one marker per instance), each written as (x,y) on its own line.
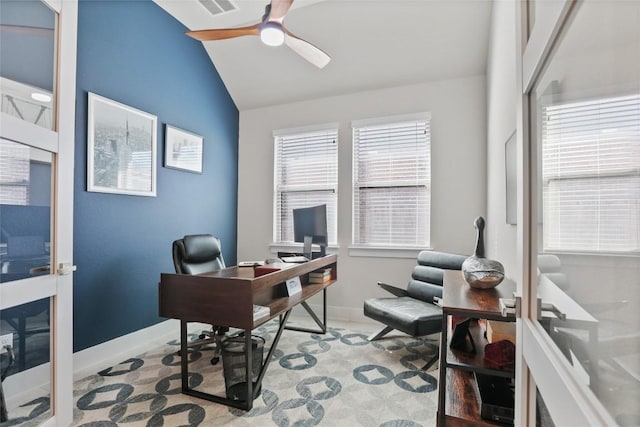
(458,403)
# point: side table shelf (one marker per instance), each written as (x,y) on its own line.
(462,407)
(473,362)
(458,400)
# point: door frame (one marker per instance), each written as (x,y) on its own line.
(58,285)
(541,366)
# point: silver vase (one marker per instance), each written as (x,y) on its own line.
(478,271)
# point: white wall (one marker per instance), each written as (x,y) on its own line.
(458,132)
(500,237)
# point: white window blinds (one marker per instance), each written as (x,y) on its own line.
(306,174)
(591,175)
(392,182)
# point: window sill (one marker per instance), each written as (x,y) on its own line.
(274,248)
(356,251)
(386,252)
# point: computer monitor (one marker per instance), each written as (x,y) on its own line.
(310,226)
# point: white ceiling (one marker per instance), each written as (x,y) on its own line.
(373,44)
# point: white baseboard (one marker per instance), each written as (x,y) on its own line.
(110,353)
(342,314)
(35,382)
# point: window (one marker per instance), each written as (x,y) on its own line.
(591,175)
(306,174)
(392,181)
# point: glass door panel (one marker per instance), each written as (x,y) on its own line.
(25,364)
(26,178)
(27,51)
(25,211)
(585,136)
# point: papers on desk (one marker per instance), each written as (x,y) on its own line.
(260,312)
(250,263)
(294,259)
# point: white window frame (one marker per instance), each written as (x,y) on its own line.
(331,185)
(394,249)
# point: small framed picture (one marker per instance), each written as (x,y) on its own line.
(294,286)
(182,150)
(459,339)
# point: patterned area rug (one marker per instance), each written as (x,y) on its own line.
(333,379)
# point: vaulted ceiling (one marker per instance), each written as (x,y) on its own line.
(373,44)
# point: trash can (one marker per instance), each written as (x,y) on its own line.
(234,366)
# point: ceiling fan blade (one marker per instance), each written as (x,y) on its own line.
(308,51)
(279,9)
(224,33)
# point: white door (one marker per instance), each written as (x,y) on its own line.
(37,127)
(580,213)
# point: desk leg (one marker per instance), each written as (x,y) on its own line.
(322,324)
(442,386)
(4,415)
(252,389)
(248,364)
(184,357)
(276,339)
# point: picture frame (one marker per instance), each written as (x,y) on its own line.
(461,338)
(511,179)
(294,286)
(121,148)
(183,150)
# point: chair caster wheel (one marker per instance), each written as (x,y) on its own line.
(215,360)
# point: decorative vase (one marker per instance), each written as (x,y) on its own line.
(478,271)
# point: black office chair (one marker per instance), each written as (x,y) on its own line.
(196,254)
(413,310)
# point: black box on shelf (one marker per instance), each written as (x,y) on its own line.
(496,398)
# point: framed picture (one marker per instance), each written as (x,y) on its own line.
(121,148)
(511,178)
(182,150)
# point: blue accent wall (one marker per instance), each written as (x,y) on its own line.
(135,53)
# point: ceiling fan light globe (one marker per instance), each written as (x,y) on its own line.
(272,34)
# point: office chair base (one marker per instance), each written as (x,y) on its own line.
(377,335)
(215,344)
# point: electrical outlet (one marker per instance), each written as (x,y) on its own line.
(6,339)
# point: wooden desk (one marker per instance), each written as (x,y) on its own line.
(226,298)
(457,400)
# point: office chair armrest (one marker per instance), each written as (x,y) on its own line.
(393,290)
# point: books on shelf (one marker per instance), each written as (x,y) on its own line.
(320,276)
(260,312)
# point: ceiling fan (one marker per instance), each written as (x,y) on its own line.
(271,31)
